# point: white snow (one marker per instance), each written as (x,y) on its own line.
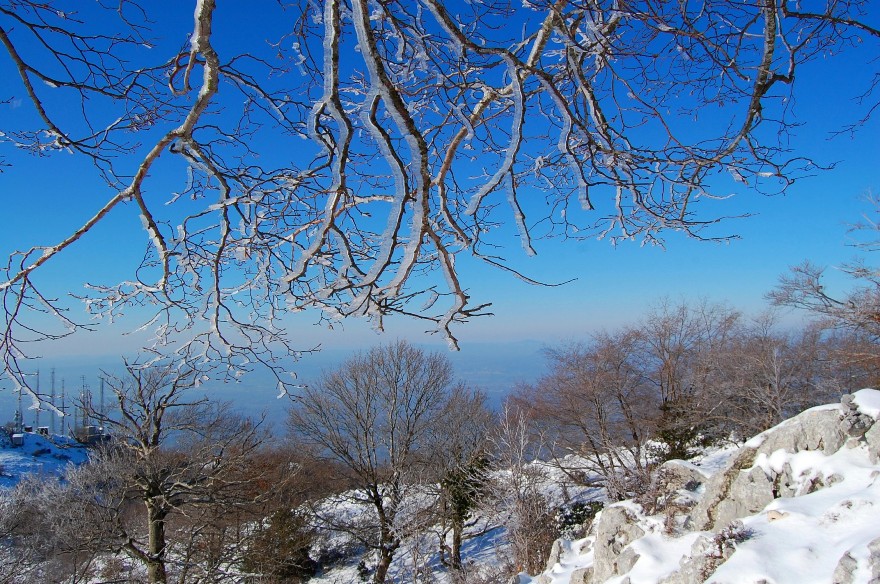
(817,529)
(794,540)
(868,401)
(659,556)
(40,455)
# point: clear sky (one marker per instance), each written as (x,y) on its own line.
(44,198)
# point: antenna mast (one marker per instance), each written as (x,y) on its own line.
(52,403)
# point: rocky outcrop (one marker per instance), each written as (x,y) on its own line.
(816,429)
(872,438)
(844,572)
(616,528)
(717,503)
(582,576)
(758,474)
(874,561)
(744,488)
(707,553)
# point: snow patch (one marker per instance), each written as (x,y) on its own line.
(868,401)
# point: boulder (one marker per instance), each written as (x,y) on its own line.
(698,565)
(844,573)
(872,438)
(582,576)
(848,567)
(707,553)
(616,529)
(816,429)
(750,493)
(874,561)
(853,423)
(555,555)
(675,476)
(742,489)
(704,515)
(626,560)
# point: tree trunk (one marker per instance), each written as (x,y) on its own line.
(455,554)
(388,541)
(156,573)
(385,557)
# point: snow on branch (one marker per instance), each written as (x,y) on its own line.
(344,161)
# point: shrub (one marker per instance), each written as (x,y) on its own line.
(573,521)
(280,550)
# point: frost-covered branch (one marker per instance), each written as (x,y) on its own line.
(349,158)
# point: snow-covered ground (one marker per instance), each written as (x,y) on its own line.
(485,551)
(826,529)
(37,455)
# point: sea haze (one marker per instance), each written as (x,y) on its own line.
(495,368)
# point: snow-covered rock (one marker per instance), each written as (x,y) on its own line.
(616,528)
(799,503)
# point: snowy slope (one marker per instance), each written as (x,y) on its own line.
(799,504)
(486,550)
(38,455)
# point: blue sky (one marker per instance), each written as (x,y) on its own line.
(44,198)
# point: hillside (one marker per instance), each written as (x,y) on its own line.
(799,503)
(38,454)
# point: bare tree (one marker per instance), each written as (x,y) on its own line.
(421,130)
(853,308)
(680,342)
(74,520)
(26,549)
(516,497)
(178,459)
(597,404)
(857,309)
(767,374)
(375,416)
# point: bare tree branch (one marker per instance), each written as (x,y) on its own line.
(352,158)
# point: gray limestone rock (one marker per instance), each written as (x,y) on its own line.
(740,489)
(707,553)
(696,566)
(874,561)
(626,560)
(675,475)
(616,529)
(555,555)
(812,430)
(872,437)
(582,576)
(845,571)
(750,492)
(853,423)
(704,515)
